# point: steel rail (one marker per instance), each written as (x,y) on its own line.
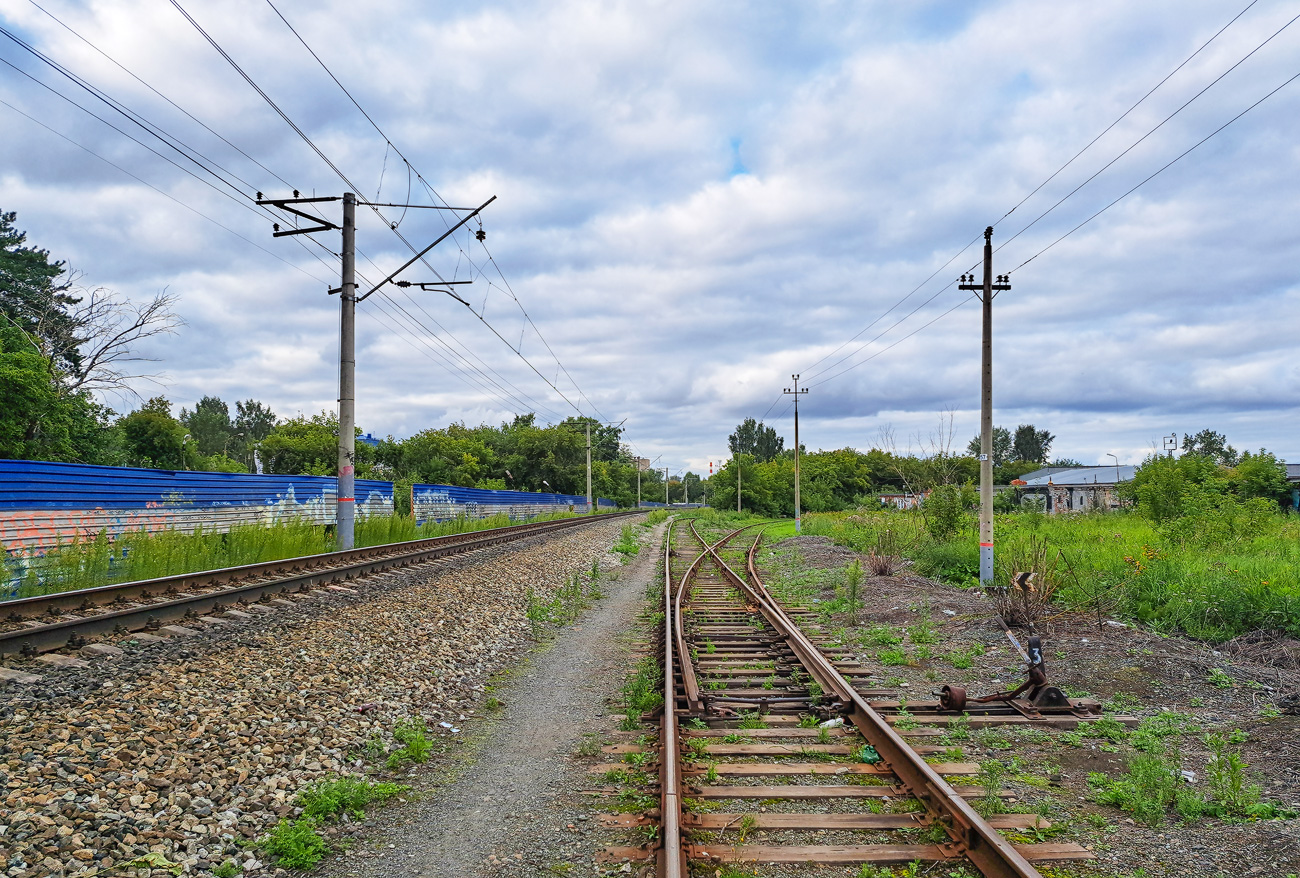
(672,856)
(971,835)
(690,681)
(356,562)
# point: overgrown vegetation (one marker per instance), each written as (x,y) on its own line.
(1125,563)
(1156,784)
(139,555)
(296,843)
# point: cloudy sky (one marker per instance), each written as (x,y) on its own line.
(694,201)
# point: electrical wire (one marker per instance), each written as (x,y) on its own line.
(486,384)
(130,73)
(1124,115)
(160,191)
(1051,177)
(1157,173)
(1135,143)
(434,194)
(334,167)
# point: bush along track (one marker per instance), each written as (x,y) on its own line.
(237,749)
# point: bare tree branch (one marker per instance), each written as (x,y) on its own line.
(110,330)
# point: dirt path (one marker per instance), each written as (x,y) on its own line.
(515,809)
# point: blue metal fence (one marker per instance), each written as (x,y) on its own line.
(44,503)
(443,502)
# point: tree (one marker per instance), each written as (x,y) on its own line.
(1002,446)
(32,300)
(306,446)
(153,437)
(1031,445)
(604,440)
(752,437)
(209,425)
(39,420)
(109,330)
(1211,444)
(1260,475)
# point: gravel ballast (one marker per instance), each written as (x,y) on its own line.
(191,747)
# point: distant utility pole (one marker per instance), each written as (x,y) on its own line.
(590,509)
(796,392)
(737,481)
(665,486)
(686,489)
(345,494)
(987,290)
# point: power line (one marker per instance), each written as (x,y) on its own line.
(130,73)
(338,171)
(1135,143)
(1165,167)
(1036,189)
(411,168)
(510,399)
(160,191)
(1124,115)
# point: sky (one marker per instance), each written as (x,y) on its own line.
(694,202)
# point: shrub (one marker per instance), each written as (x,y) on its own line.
(957,563)
(943,511)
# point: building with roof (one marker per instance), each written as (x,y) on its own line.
(1077,488)
(1085,488)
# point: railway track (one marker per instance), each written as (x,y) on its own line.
(45,623)
(776,748)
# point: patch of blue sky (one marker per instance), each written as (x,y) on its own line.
(737,163)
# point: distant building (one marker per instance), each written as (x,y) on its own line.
(643,463)
(367,439)
(1076,488)
(903,501)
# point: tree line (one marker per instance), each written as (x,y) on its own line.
(1208,471)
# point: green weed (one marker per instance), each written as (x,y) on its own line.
(345,795)
(295,844)
(412,734)
(891,657)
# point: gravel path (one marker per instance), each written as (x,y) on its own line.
(516,809)
(188,747)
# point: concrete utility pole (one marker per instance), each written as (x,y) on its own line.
(345,494)
(987,289)
(665,486)
(347,504)
(796,392)
(737,482)
(686,489)
(590,508)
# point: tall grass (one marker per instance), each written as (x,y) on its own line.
(138,555)
(1120,562)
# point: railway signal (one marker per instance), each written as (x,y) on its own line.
(987,290)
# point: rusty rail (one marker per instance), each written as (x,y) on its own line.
(672,858)
(970,834)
